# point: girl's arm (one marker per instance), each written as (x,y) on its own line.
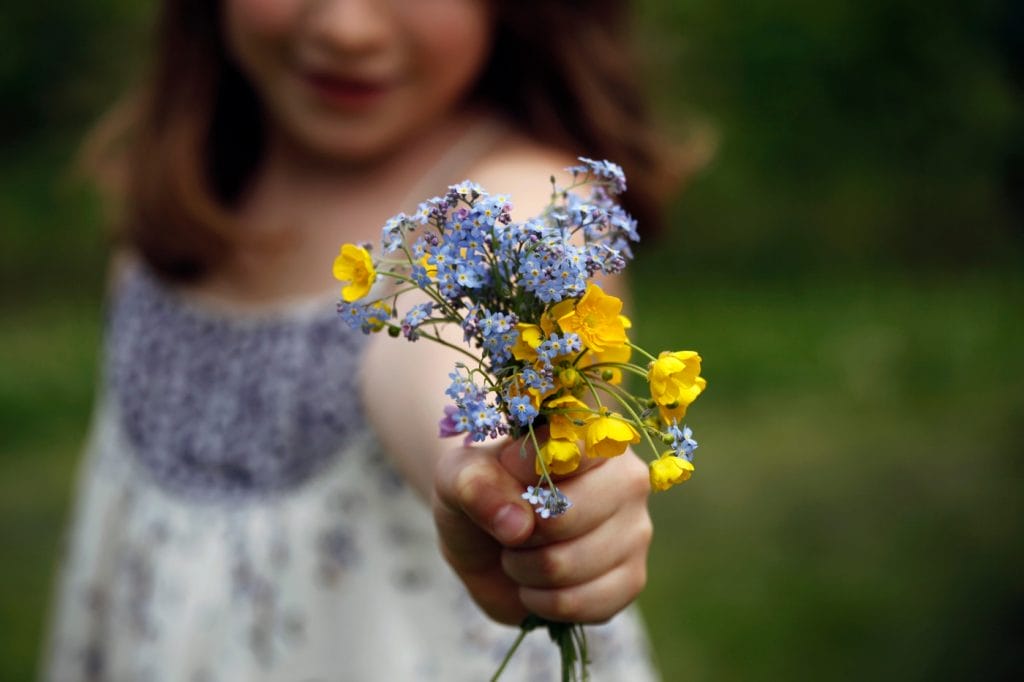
(584,566)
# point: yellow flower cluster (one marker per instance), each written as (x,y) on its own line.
(595,318)
(577,428)
(674,379)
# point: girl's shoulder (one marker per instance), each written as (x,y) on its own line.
(521,167)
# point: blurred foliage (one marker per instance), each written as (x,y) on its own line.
(61,67)
(849,134)
(856,511)
(63,63)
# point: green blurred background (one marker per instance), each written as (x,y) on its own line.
(848,261)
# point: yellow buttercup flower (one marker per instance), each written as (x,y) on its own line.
(563,424)
(354,265)
(675,378)
(595,319)
(560,456)
(549,320)
(608,435)
(530,337)
(673,412)
(669,470)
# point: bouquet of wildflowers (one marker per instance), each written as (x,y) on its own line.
(544,344)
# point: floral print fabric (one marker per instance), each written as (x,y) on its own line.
(237,521)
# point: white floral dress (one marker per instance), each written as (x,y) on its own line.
(236,521)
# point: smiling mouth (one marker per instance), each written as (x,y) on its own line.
(347,93)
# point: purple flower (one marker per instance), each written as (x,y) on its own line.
(448,427)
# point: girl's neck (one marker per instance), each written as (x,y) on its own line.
(305,175)
(310,205)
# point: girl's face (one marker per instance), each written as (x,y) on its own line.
(352,79)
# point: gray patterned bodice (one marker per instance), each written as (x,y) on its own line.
(215,404)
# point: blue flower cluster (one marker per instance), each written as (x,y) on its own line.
(543,380)
(465,247)
(605,170)
(545,502)
(472,413)
(494,332)
(416,316)
(683,443)
(368,318)
(486,272)
(521,409)
(556,346)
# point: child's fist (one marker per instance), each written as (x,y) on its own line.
(584,566)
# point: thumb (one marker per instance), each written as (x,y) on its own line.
(478,511)
(475,485)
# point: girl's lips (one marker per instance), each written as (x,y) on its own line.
(347,93)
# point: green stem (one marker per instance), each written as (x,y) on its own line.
(545,476)
(437,339)
(508,656)
(440,300)
(640,350)
(627,366)
(593,391)
(614,392)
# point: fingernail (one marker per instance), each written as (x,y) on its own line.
(510,523)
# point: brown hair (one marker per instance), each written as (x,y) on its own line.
(187,145)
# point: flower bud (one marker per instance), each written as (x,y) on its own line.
(569,377)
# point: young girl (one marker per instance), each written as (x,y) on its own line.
(254,503)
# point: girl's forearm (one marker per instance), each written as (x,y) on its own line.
(403,386)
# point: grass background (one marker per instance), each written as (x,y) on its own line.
(849,262)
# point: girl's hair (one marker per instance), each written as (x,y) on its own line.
(186,146)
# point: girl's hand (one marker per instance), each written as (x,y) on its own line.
(584,566)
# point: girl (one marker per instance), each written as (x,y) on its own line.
(253,500)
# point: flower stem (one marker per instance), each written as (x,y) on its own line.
(508,656)
(437,339)
(640,350)
(615,392)
(539,460)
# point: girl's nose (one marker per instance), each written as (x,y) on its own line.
(350,25)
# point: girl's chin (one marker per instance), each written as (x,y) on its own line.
(353,145)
